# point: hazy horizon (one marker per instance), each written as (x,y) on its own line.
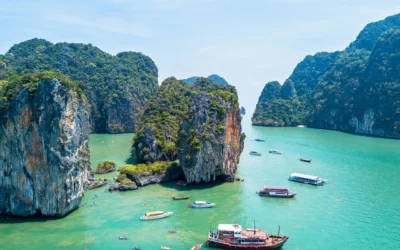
(249,43)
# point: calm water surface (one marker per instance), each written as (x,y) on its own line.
(359,208)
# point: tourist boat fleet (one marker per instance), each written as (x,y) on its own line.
(274,191)
(155,215)
(232,236)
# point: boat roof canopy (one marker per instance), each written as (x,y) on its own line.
(276,187)
(306,176)
(154,213)
(200,202)
(230,227)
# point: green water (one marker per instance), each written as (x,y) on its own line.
(359,208)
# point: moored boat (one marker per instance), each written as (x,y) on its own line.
(165,248)
(201,204)
(306,160)
(307,179)
(274,191)
(260,140)
(123,238)
(155,215)
(255,153)
(274,151)
(177,198)
(231,236)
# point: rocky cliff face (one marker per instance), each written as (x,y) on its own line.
(355,90)
(210,142)
(44,155)
(117,87)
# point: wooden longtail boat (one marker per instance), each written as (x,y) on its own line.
(177,198)
(196,247)
(231,236)
(306,160)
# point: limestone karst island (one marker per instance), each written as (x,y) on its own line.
(199,125)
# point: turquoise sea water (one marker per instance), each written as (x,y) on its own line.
(359,208)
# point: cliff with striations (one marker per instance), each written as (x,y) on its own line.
(199,124)
(44,155)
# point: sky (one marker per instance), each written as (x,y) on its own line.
(248,42)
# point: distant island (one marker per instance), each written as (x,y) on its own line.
(214,77)
(242,111)
(355,90)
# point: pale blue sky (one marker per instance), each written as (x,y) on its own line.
(249,42)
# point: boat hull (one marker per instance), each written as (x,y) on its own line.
(221,244)
(180,198)
(205,206)
(308,182)
(156,217)
(290,195)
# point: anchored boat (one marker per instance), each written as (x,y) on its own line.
(260,140)
(305,160)
(273,191)
(155,215)
(274,151)
(201,204)
(181,197)
(255,153)
(232,236)
(307,179)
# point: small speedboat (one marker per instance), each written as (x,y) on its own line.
(306,160)
(136,248)
(155,215)
(260,140)
(274,151)
(123,238)
(177,198)
(201,204)
(255,153)
(165,248)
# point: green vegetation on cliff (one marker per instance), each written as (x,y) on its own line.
(160,126)
(214,77)
(356,90)
(12,85)
(111,83)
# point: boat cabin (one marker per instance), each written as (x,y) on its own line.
(275,189)
(305,178)
(154,213)
(230,230)
(200,202)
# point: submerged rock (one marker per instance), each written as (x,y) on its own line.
(44,154)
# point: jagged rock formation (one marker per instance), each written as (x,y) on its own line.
(117,87)
(210,140)
(171,129)
(355,90)
(242,111)
(214,77)
(44,155)
(106,167)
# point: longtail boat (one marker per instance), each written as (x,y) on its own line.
(232,236)
(177,198)
(305,160)
(196,247)
(155,215)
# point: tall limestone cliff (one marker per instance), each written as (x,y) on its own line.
(198,124)
(117,87)
(210,141)
(355,90)
(44,155)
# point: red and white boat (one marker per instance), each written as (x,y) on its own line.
(232,236)
(276,191)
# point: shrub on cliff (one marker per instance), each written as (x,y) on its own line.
(12,85)
(105,167)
